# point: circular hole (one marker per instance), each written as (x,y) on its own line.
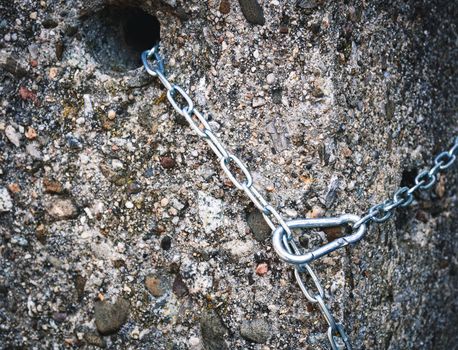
(116,36)
(141,30)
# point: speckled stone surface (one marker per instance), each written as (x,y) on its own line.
(331,105)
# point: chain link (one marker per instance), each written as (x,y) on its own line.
(335,330)
(379,213)
(404,196)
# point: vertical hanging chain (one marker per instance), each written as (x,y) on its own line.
(379,213)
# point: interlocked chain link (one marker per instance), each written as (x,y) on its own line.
(338,338)
(201,127)
(403,197)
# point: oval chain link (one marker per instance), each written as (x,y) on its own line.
(404,196)
(378,213)
(335,329)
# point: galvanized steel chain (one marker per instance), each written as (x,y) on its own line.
(404,196)
(283,240)
(201,127)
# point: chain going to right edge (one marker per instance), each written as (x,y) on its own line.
(404,196)
(379,213)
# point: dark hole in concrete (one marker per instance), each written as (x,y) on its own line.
(408,177)
(116,36)
(141,30)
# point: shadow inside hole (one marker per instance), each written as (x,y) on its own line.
(116,36)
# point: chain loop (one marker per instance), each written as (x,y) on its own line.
(378,213)
(215,145)
(341,334)
(427,179)
(257,199)
(184,111)
(194,126)
(154,65)
(164,80)
(446,158)
(404,196)
(300,282)
(153,69)
(232,158)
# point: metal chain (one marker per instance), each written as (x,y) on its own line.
(201,127)
(379,213)
(404,196)
(337,336)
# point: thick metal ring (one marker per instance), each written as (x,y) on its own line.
(430,181)
(277,237)
(450,159)
(342,334)
(150,68)
(224,162)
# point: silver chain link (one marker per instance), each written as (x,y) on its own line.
(201,127)
(379,213)
(403,197)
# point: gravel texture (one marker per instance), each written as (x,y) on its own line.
(118,228)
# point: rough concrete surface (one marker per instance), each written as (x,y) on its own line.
(106,196)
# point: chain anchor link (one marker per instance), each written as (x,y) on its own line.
(299,259)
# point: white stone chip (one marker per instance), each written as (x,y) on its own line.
(6,203)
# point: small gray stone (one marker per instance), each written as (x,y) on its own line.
(62,209)
(258,102)
(109,318)
(331,192)
(11,64)
(270,79)
(252,11)
(213,331)
(6,203)
(33,150)
(12,135)
(257,331)
(307,4)
(258,225)
(95,339)
(73,142)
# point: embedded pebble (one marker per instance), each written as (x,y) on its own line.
(239,248)
(13,136)
(213,331)
(156,285)
(6,203)
(225,7)
(110,317)
(252,11)
(270,79)
(258,102)
(52,186)
(167,162)
(262,269)
(61,209)
(257,331)
(261,230)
